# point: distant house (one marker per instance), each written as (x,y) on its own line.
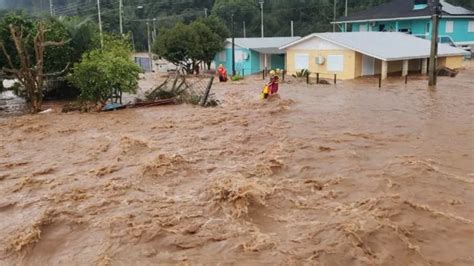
(252,55)
(353,54)
(413,17)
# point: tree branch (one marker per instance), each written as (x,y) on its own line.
(55,73)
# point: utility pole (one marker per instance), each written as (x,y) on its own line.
(153,35)
(245,31)
(150,57)
(261,14)
(434,43)
(292,29)
(233,45)
(51,8)
(345,14)
(334,25)
(121,16)
(100,25)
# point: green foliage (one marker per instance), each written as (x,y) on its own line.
(237,77)
(83,34)
(19,20)
(102,71)
(56,58)
(302,73)
(187,45)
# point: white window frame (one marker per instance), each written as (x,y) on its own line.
(304,63)
(470,26)
(335,63)
(449,26)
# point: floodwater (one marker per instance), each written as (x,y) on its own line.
(331,175)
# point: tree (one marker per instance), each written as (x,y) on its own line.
(102,71)
(188,45)
(24,52)
(208,43)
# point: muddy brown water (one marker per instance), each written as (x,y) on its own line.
(345,175)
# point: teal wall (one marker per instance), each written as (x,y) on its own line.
(278,61)
(249,66)
(419,27)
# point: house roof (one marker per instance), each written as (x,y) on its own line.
(269,45)
(386,46)
(399,9)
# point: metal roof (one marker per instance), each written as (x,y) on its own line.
(399,9)
(386,46)
(268,45)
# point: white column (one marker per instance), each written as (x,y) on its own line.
(384,71)
(405,68)
(424,66)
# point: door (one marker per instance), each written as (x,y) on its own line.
(368,65)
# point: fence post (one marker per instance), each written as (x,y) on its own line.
(307,78)
(317,78)
(406,79)
(283,75)
(263,74)
(380,81)
(335,78)
(208,90)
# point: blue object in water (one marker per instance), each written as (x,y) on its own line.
(113,106)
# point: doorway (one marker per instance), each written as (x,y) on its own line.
(368,65)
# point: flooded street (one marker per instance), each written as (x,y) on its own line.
(333,175)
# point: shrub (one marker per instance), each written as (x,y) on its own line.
(102,71)
(237,77)
(301,74)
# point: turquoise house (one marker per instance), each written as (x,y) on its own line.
(252,55)
(414,17)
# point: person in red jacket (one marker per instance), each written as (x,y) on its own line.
(222,73)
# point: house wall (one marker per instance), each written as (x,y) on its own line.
(316,47)
(247,66)
(453,62)
(422,28)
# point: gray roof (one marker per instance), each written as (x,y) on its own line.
(268,45)
(386,46)
(397,9)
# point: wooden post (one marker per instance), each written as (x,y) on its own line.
(380,80)
(406,79)
(208,90)
(317,78)
(434,43)
(283,74)
(335,78)
(263,74)
(307,78)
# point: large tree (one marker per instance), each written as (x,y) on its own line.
(31,52)
(188,45)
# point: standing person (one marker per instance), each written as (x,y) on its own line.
(274,80)
(222,73)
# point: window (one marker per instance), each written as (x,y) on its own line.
(301,61)
(449,26)
(363,27)
(428,27)
(222,56)
(335,63)
(470,26)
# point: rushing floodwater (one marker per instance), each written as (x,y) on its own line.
(327,175)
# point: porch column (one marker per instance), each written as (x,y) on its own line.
(405,68)
(396,26)
(424,66)
(384,69)
(265,62)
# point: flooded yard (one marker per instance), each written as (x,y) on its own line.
(333,175)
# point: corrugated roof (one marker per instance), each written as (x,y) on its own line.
(386,46)
(404,9)
(268,45)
